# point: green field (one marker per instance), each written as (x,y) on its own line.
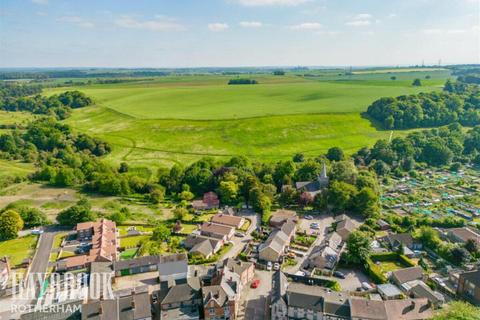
(18,249)
(180,119)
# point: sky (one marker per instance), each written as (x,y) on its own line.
(233,33)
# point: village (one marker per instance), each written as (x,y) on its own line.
(228,264)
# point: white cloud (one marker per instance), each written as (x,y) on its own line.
(456,31)
(431,31)
(362,16)
(251,24)
(306,26)
(160,23)
(392,15)
(78,21)
(359,23)
(260,3)
(40,1)
(217,27)
(361,20)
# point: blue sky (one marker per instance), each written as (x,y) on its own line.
(194,33)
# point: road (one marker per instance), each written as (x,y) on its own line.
(42,255)
(254,304)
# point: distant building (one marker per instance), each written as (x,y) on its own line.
(228,220)
(210,201)
(314,187)
(411,309)
(281,216)
(383,224)
(462,235)
(218,231)
(469,286)
(202,245)
(326,255)
(345,227)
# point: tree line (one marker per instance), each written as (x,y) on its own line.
(242,81)
(458,102)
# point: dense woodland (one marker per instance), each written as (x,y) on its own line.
(458,102)
(242,81)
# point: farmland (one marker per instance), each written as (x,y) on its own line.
(174,119)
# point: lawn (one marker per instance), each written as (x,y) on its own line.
(128,254)
(57,241)
(388,266)
(132,242)
(18,249)
(180,119)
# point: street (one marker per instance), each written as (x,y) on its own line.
(239,243)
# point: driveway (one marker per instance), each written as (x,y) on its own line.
(353,279)
(323,221)
(254,304)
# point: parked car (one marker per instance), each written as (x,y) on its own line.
(366,286)
(308,217)
(255,283)
(314,225)
(239,234)
(269,266)
(339,274)
(276,266)
(37,231)
(300,273)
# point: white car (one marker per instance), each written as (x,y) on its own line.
(309,217)
(269,266)
(276,266)
(314,225)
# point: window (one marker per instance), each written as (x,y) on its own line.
(211,311)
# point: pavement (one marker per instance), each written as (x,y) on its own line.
(254,304)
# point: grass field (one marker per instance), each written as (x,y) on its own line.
(18,249)
(180,119)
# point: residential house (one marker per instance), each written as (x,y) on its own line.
(314,302)
(345,227)
(278,304)
(404,275)
(180,299)
(132,306)
(217,231)
(326,255)
(384,225)
(202,246)
(419,289)
(228,220)
(104,244)
(245,270)
(277,243)
(221,298)
(316,186)
(281,216)
(407,309)
(469,286)
(393,241)
(173,267)
(210,201)
(389,291)
(136,265)
(462,235)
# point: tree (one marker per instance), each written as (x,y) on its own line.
(457,310)
(358,247)
(260,202)
(335,154)
(179,213)
(118,217)
(366,202)
(161,233)
(344,171)
(416,83)
(32,217)
(228,191)
(393,78)
(80,212)
(123,167)
(305,199)
(298,157)
(10,224)
(472,246)
(289,195)
(157,194)
(340,195)
(460,255)
(186,195)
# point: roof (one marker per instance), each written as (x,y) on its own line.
(323,257)
(367,309)
(137,262)
(282,215)
(407,274)
(465,234)
(104,241)
(389,290)
(132,306)
(404,239)
(279,286)
(408,309)
(226,219)
(216,292)
(185,290)
(215,228)
(276,241)
(472,277)
(173,264)
(421,290)
(238,267)
(346,224)
(289,228)
(203,247)
(193,239)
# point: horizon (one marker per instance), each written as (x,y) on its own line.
(237,33)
